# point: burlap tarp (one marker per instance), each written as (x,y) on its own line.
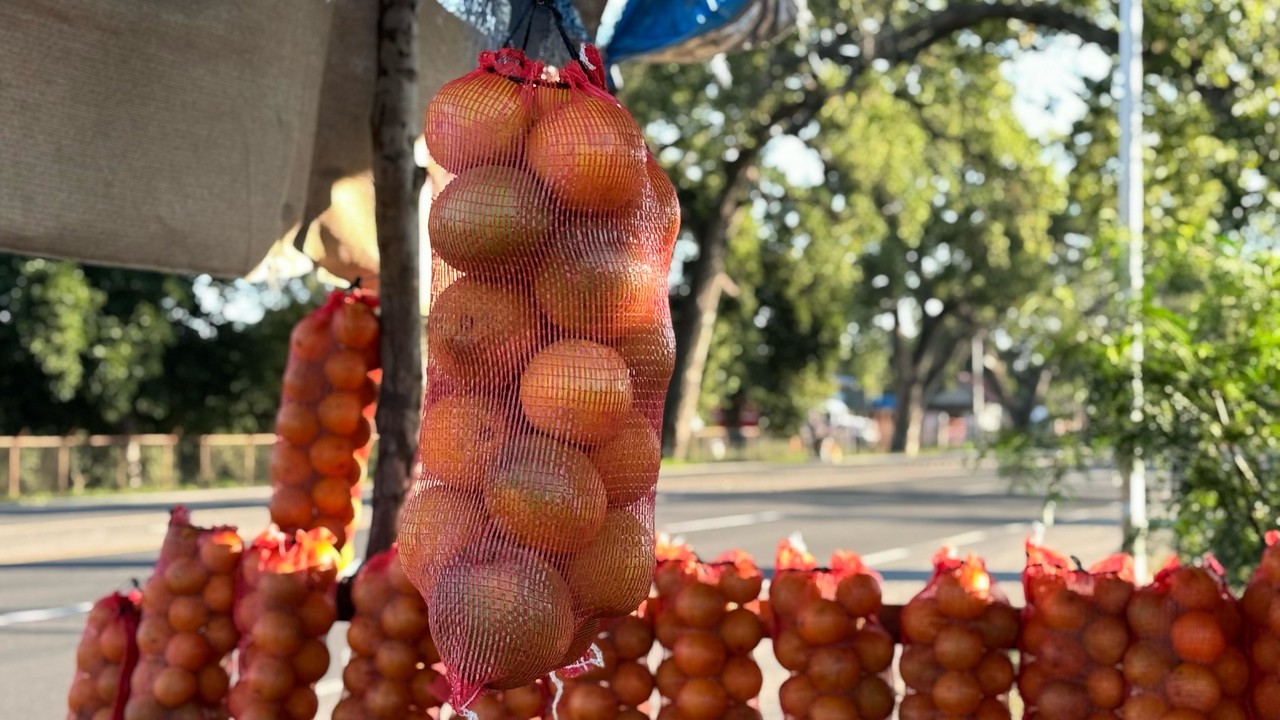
(192,135)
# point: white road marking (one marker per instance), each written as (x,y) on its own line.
(886,556)
(722,522)
(44,614)
(966,538)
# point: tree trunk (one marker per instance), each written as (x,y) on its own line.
(397,182)
(694,327)
(908,417)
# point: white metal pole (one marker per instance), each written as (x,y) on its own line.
(1131,227)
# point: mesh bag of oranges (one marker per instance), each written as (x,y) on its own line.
(1074,634)
(621,686)
(285,609)
(105,658)
(186,632)
(707,618)
(549,351)
(827,632)
(1186,654)
(1261,603)
(390,673)
(323,427)
(956,634)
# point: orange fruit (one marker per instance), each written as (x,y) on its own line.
(213,683)
(1147,706)
(340,412)
(874,698)
(174,686)
(186,576)
(359,674)
(1105,687)
(921,621)
(585,633)
(512,613)
(1150,613)
(633,683)
(791,651)
(1111,594)
(312,660)
(993,709)
(112,642)
(396,659)
(1105,639)
(477,118)
(425,542)
(303,382)
(665,204)
(822,622)
(277,632)
(628,464)
(1062,658)
(1192,686)
(387,699)
(546,494)
(790,592)
(833,669)
(917,707)
(612,575)
(632,638)
(797,695)
(1064,610)
(187,650)
(1196,637)
(958,648)
(918,667)
(742,678)
(701,699)
(958,693)
(1146,665)
(874,647)
(332,455)
(700,606)
(999,626)
(833,707)
(291,507)
(1232,671)
(425,688)
(740,584)
(461,437)
(1265,652)
(576,390)
(650,354)
(404,618)
(296,423)
(480,333)
(1031,681)
(289,465)
(741,630)
(301,704)
(669,679)
(1193,588)
(1266,696)
(221,634)
(187,613)
(699,653)
(958,602)
(152,638)
(859,595)
(310,338)
(590,702)
(1256,603)
(1063,700)
(595,283)
(345,370)
(590,153)
(1234,710)
(995,674)
(1231,620)
(354,324)
(489,220)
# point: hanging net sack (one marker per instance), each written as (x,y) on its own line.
(105,659)
(549,351)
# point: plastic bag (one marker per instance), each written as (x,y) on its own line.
(707,618)
(323,427)
(1261,602)
(1187,645)
(286,606)
(187,632)
(826,630)
(105,658)
(550,346)
(1074,634)
(956,633)
(390,673)
(623,683)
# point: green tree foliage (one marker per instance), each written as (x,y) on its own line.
(109,350)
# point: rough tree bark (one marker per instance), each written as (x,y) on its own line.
(397,182)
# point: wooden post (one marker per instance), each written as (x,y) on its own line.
(64,465)
(397,182)
(166,461)
(15,467)
(250,459)
(206,460)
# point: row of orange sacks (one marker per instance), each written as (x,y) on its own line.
(1090,644)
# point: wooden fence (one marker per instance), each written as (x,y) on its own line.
(50,464)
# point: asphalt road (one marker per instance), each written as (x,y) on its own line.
(57,558)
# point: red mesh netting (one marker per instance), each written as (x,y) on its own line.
(549,350)
(1074,635)
(1261,606)
(323,427)
(826,631)
(187,632)
(1186,651)
(105,658)
(707,618)
(285,607)
(956,634)
(621,687)
(390,673)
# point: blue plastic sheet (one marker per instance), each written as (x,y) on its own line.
(647,26)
